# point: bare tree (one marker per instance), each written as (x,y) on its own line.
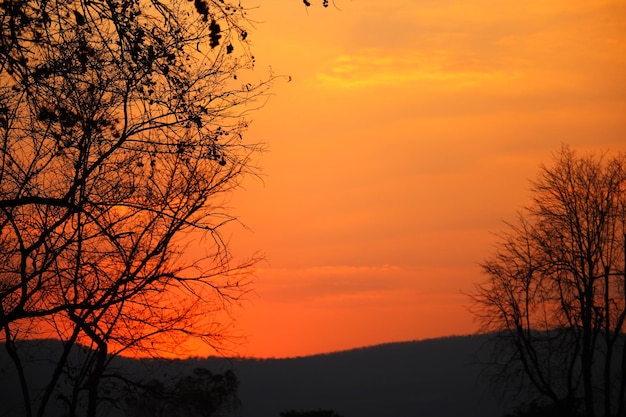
(555,293)
(121,127)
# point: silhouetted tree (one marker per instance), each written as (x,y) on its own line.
(121,127)
(556,288)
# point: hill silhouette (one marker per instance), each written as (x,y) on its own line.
(437,377)
(429,378)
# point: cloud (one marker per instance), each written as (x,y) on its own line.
(458,44)
(314,284)
(350,286)
(374,67)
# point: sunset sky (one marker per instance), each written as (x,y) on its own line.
(409,131)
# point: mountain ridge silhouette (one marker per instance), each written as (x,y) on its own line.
(426,378)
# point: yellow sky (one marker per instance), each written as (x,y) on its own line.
(409,131)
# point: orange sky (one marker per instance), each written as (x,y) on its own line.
(409,131)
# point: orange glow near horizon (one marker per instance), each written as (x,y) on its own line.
(408,133)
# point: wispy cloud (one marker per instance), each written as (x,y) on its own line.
(375,285)
(374,67)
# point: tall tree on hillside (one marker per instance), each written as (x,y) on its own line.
(121,127)
(555,293)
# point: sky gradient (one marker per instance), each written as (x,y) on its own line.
(409,131)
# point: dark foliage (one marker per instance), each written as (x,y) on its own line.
(307,3)
(201,394)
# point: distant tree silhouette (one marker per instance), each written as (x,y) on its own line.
(201,394)
(555,289)
(314,413)
(121,126)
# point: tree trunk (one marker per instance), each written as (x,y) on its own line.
(587,351)
(10,347)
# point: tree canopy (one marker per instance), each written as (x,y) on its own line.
(122,129)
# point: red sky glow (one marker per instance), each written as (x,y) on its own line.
(409,131)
